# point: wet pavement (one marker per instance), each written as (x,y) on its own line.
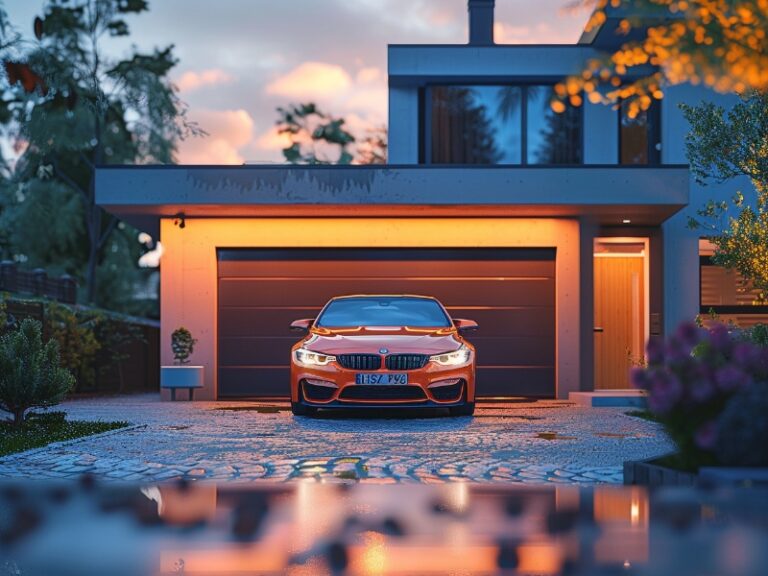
(311,528)
(521,442)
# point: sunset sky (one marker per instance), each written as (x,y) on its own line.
(240,59)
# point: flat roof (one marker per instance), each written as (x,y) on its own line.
(142,195)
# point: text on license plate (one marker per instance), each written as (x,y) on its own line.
(381,378)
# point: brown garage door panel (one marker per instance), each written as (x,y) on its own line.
(257,321)
(509,292)
(517,382)
(313,292)
(262,351)
(240,382)
(513,321)
(416,269)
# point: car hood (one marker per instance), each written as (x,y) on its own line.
(372,340)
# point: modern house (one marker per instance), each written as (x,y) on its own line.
(564,236)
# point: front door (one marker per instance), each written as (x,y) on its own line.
(620,309)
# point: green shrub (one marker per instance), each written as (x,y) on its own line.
(77,342)
(31,375)
(182,344)
(743,428)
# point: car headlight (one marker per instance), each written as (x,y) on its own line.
(455,358)
(309,358)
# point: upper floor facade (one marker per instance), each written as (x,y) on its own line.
(483,103)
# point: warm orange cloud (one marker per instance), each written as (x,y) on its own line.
(311,80)
(228,132)
(190,81)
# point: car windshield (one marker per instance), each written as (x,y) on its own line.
(383,311)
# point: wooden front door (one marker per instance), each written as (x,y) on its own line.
(619,317)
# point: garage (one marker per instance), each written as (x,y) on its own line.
(510,292)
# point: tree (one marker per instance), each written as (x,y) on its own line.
(373,148)
(720,43)
(76,109)
(316,137)
(722,146)
(30,372)
(466,133)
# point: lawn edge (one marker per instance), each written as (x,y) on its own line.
(62,443)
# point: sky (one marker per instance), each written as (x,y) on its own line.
(241,59)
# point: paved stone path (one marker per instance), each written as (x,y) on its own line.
(532,442)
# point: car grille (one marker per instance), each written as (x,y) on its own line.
(313,392)
(406,361)
(382,393)
(359,361)
(452,392)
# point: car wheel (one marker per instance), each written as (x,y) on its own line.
(466,409)
(301,409)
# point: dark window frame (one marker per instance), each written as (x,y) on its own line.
(654,154)
(425,122)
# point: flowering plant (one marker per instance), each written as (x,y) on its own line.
(690,380)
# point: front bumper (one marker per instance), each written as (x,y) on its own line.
(431,386)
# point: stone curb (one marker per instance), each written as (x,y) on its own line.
(62,443)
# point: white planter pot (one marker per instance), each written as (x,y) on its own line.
(184,377)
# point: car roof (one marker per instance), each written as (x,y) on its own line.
(384,296)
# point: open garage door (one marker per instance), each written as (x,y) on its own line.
(509,292)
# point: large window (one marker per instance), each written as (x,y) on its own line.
(640,137)
(725,292)
(511,124)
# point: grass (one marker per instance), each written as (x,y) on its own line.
(42,429)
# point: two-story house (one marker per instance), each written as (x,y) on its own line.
(563,236)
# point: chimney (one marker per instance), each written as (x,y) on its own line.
(481,22)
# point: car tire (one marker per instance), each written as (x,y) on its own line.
(301,409)
(466,409)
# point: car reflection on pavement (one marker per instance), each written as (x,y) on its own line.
(313,528)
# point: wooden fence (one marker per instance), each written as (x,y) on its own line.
(37,283)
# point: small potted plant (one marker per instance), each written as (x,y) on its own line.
(181,375)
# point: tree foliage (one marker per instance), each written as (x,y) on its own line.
(71,108)
(30,372)
(720,43)
(320,138)
(724,145)
(315,137)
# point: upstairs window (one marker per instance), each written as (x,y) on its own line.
(510,124)
(640,137)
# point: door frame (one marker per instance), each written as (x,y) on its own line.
(645,255)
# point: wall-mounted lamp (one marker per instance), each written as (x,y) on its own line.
(625,221)
(180,220)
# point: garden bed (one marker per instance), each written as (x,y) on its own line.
(665,471)
(43,429)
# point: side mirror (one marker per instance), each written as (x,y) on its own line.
(464,325)
(302,325)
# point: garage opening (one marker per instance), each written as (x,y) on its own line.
(510,292)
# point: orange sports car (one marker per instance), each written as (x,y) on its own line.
(383,351)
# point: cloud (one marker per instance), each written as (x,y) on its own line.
(311,80)
(228,132)
(191,80)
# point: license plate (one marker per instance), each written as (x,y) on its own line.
(378,378)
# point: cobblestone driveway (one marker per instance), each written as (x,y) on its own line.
(545,441)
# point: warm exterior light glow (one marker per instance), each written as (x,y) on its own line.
(626,221)
(189,271)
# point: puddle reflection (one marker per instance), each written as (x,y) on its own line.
(312,528)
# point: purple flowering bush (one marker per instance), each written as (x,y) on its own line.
(690,380)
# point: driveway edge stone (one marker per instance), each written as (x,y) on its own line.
(62,443)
